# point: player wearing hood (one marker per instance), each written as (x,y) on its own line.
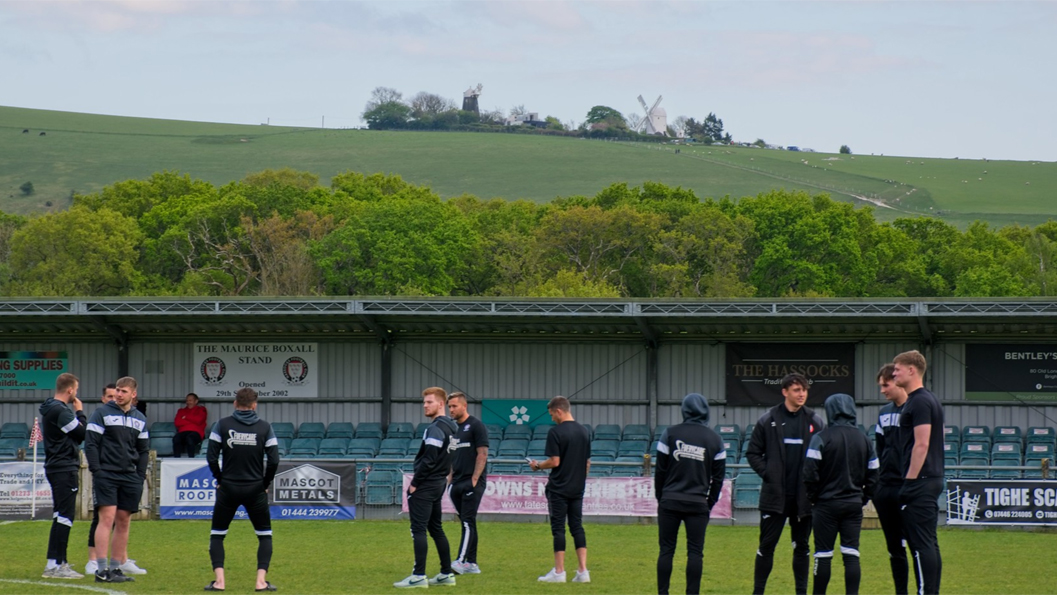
(63,430)
(691,463)
(424,495)
(840,474)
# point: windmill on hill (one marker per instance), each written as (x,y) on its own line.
(469,99)
(656,120)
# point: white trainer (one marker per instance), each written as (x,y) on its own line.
(414,581)
(91,567)
(552,577)
(470,568)
(443,580)
(64,571)
(129,567)
(49,572)
(582,577)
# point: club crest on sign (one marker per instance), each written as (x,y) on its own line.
(295,370)
(213,370)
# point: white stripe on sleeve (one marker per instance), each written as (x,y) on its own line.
(143,436)
(662,447)
(874,464)
(722,456)
(434,442)
(70,426)
(814,454)
(879,430)
(272,442)
(793,440)
(98,429)
(215,437)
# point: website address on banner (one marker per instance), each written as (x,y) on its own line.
(241,514)
(587,507)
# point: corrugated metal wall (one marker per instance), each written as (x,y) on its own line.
(869,357)
(947,371)
(684,368)
(347,370)
(94,364)
(531,370)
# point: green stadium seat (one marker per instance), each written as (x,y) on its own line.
(541,431)
(536,448)
(304,447)
(161,445)
(393,447)
(340,429)
(400,430)
(976,434)
(14,429)
(1041,434)
(631,447)
(495,431)
(369,429)
(952,434)
(999,473)
(732,446)
(518,432)
(507,469)
(381,487)
(607,432)
(413,445)
(513,449)
(1007,434)
(283,429)
(162,429)
(363,448)
(311,429)
(636,432)
(420,429)
(333,447)
(1006,451)
(729,431)
(605,448)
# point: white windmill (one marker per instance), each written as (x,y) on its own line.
(656,120)
(469,99)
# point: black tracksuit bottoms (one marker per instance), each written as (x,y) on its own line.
(423,507)
(559,508)
(64,506)
(830,518)
(669,516)
(771,526)
(919,501)
(255,500)
(467,499)
(886,501)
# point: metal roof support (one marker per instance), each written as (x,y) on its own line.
(652,345)
(120,338)
(386,341)
(923,323)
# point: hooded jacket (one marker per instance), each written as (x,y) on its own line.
(116,442)
(244,439)
(766,454)
(433,460)
(63,431)
(691,459)
(840,464)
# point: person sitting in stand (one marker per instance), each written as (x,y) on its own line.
(190,427)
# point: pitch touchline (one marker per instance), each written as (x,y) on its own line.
(63,586)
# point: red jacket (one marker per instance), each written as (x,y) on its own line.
(192,419)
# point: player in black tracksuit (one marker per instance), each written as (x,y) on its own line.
(776,454)
(468,479)
(63,430)
(921,432)
(840,473)
(424,495)
(691,463)
(890,478)
(243,440)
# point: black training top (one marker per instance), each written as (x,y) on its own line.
(116,442)
(922,408)
(571,442)
(795,443)
(470,436)
(62,431)
(243,440)
(889,445)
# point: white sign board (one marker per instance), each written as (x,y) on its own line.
(274,370)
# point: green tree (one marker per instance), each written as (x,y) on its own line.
(704,256)
(601,114)
(78,252)
(845,150)
(26,188)
(387,116)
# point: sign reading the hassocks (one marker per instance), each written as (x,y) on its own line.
(755,371)
(1010,372)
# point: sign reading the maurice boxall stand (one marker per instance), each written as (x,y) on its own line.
(1010,372)
(1001,502)
(515,412)
(755,371)
(317,490)
(284,370)
(31,369)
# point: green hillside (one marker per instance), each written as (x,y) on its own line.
(83,152)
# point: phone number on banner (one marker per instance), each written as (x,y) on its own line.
(346,513)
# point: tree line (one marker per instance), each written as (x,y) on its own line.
(280,233)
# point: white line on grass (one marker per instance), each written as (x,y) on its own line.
(63,586)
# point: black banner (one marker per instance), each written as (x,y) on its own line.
(755,371)
(1010,372)
(1001,502)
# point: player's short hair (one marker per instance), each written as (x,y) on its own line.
(65,382)
(437,392)
(245,397)
(126,382)
(886,372)
(457,395)
(110,386)
(193,395)
(560,403)
(911,358)
(794,378)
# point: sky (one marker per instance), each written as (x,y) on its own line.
(924,79)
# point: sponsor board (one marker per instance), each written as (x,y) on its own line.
(1011,372)
(31,369)
(315,490)
(18,482)
(283,370)
(1001,502)
(515,412)
(603,496)
(755,371)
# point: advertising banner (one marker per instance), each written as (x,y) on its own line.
(17,484)
(31,369)
(1011,372)
(520,412)
(604,496)
(755,371)
(1001,502)
(317,490)
(285,370)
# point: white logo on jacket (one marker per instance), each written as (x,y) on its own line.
(689,451)
(241,438)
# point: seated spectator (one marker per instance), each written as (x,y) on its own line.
(190,427)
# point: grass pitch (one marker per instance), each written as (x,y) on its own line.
(368,556)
